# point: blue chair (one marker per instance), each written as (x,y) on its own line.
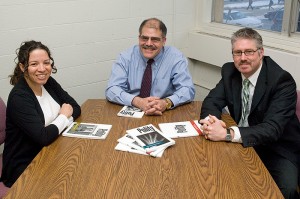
(3,188)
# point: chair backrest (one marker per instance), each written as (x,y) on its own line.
(298,105)
(2,120)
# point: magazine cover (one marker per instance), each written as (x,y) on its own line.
(129,141)
(87,130)
(131,111)
(181,129)
(150,138)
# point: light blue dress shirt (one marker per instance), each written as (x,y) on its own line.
(170,76)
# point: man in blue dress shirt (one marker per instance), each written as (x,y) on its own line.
(172,84)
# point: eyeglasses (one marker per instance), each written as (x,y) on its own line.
(152,39)
(246,52)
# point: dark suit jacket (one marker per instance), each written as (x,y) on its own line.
(273,123)
(26,133)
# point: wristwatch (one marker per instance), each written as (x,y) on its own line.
(228,137)
(169,103)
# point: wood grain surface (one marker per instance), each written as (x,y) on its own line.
(192,168)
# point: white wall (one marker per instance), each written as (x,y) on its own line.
(85,36)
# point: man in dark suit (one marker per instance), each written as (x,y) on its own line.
(263,107)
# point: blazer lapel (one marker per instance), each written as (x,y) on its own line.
(261,89)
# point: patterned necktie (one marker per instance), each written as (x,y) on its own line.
(147,80)
(245,98)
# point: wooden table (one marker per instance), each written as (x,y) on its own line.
(192,168)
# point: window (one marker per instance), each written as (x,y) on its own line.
(271,15)
(210,16)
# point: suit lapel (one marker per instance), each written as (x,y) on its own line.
(261,89)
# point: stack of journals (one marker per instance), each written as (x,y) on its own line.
(146,140)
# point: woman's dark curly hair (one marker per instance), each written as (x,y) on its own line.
(23,54)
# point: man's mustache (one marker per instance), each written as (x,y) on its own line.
(244,62)
(149,47)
